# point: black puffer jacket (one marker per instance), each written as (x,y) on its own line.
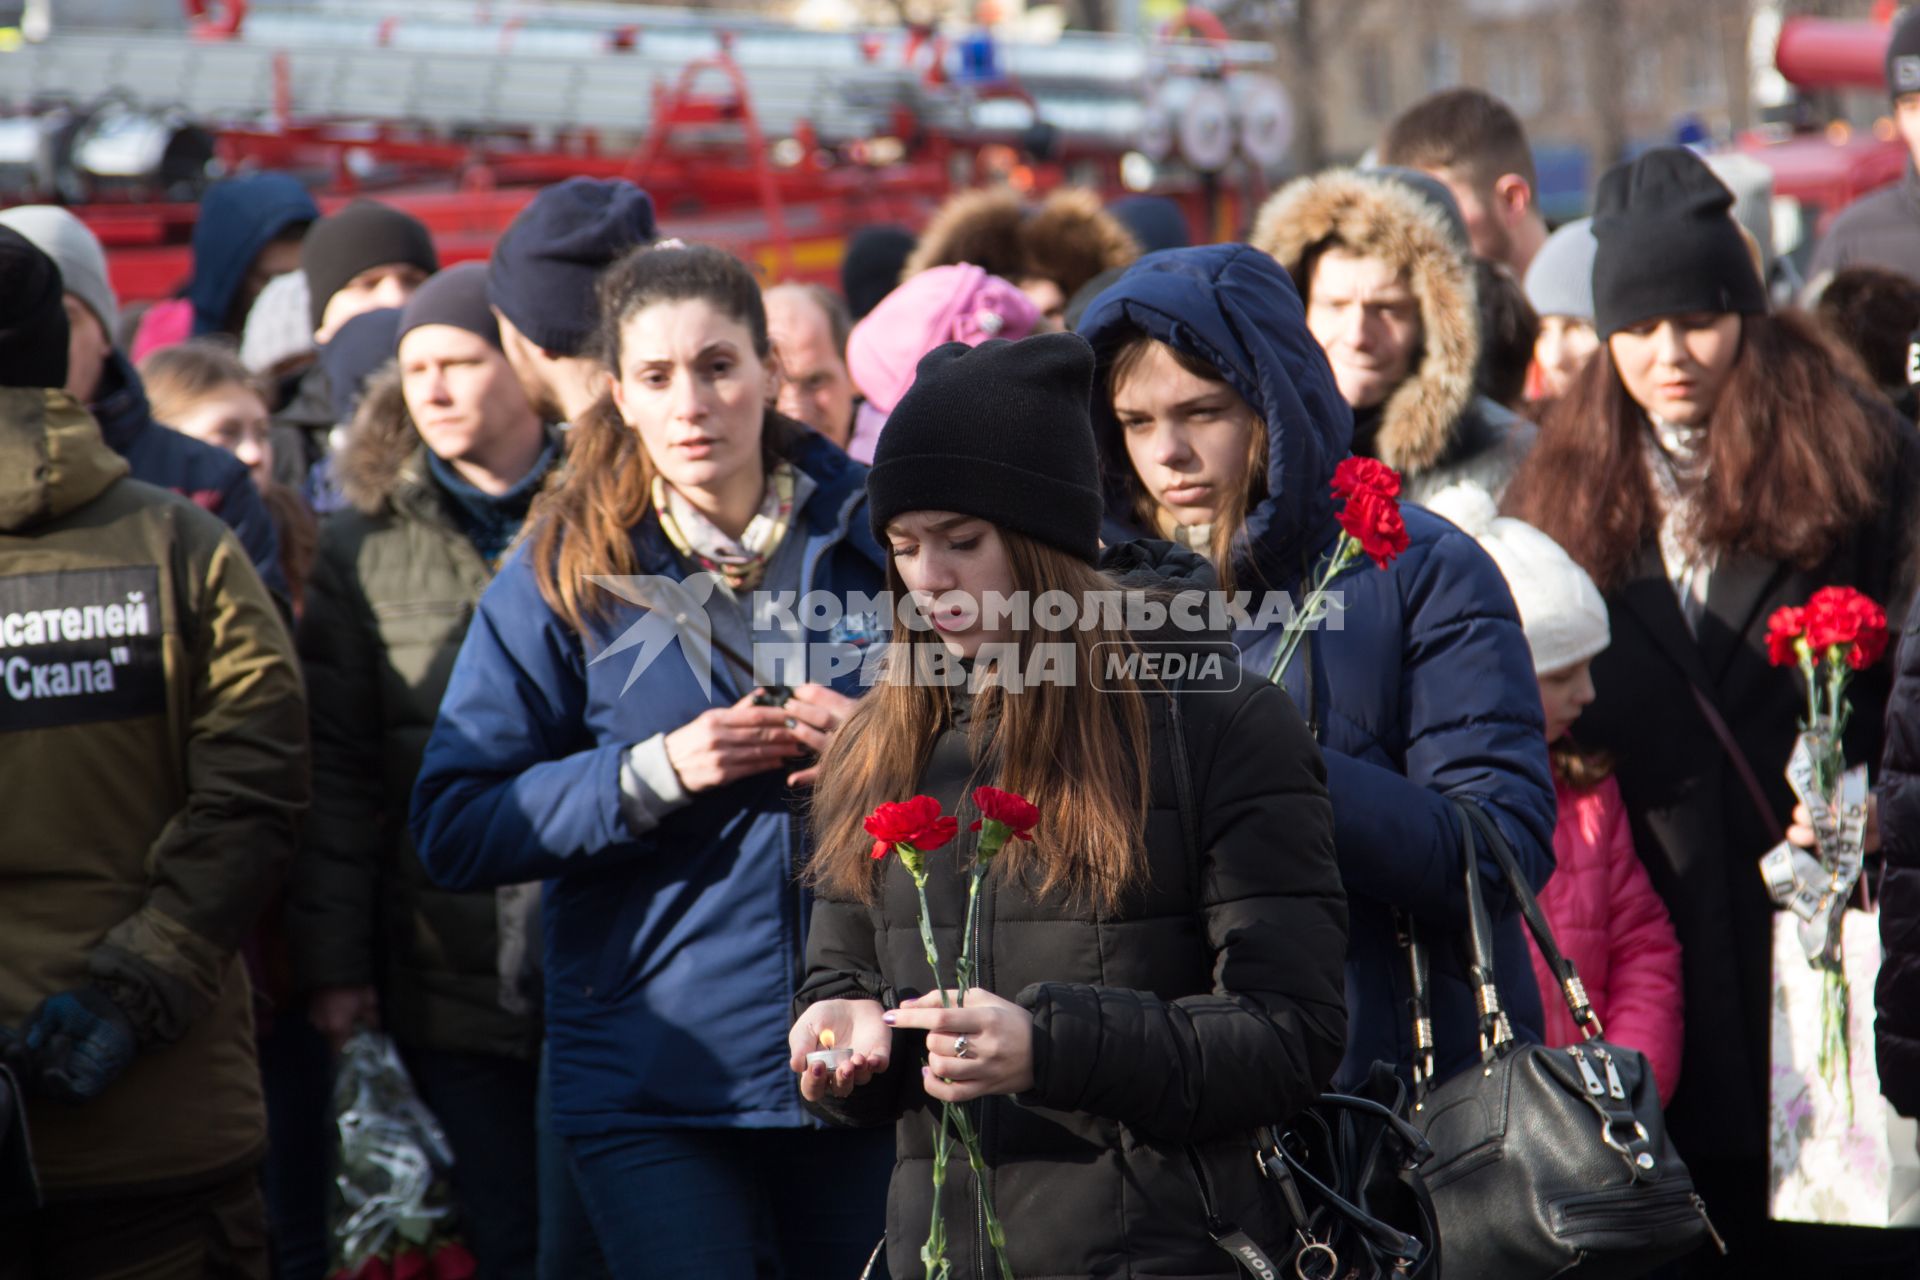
(1209,1003)
(1896,997)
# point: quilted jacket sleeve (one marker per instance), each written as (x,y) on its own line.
(1267,1038)
(511,787)
(1473,730)
(1644,998)
(332,905)
(843,964)
(1896,995)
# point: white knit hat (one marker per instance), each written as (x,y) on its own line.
(1560,277)
(76,251)
(278,326)
(1560,608)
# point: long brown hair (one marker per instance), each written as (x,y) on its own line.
(1080,753)
(1795,459)
(1141,504)
(582,525)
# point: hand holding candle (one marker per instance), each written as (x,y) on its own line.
(837,1046)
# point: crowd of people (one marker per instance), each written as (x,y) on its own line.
(331,702)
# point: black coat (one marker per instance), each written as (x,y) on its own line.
(1694,821)
(1209,1003)
(1896,997)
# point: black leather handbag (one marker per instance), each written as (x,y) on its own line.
(1547,1162)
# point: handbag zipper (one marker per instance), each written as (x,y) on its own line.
(1701,1206)
(1587,1073)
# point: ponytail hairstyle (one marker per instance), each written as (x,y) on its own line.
(583,525)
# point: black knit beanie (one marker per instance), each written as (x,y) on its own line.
(1000,431)
(871,269)
(33,316)
(456,297)
(1667,244)
(364,235)
(1903,56)
(545,266)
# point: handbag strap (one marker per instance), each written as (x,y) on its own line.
(1738,756)
(1572,990)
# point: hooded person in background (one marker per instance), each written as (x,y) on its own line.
(1380,257)
(1560,287)
(443,460)
(1471,142)
(809,326)
(1883,229)
(102,379)
(248,232)
(153,757)
(945,304)
(1870,312)
(540,283)
(366,257)
(871,269)
(1049,251)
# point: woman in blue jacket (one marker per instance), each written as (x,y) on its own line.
(1220,426)
(579,745)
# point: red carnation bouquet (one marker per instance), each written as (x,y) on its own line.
(1837,633)
(912,829)
(1370,525)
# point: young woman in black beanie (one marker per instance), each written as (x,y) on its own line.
(1711,464)
(1153,978)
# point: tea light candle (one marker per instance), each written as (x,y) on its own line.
(826,1055)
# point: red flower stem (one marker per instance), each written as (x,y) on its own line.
(1345,552)
(933,1254)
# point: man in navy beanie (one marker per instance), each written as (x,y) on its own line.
(541,280)
(1883,229)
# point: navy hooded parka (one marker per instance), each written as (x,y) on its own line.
(1425,693)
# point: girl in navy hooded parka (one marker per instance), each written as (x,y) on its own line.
(578,745)
(1220,426)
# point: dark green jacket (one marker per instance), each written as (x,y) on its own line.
(392,591)
(153,766)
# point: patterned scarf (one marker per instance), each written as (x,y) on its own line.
(739,563)
(1675,461)
(1194,537)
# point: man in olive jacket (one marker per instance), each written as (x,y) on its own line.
(443,462)
(152,767)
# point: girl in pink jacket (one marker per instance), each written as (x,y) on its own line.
(1602,907)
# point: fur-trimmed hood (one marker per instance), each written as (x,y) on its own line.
(1375,215)
(382,450)
(1069,238)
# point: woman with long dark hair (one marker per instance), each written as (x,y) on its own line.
(1157,972)
(1711,464)
(580,745)
(1220,426)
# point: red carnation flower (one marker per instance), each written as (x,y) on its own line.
(1355,476)
(1842,618)
(1373,520)
(410,1264)
(917,822)
(1014,812)
(1784,627)
(451,1261)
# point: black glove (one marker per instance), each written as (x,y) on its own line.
(77,1043)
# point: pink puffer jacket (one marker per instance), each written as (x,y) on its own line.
(1613,926)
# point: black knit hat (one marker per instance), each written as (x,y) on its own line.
(545,266)
(1903,55)
(871,269)
(456,297)
(33,316)
(364,235)
(999,431)
(1668,244)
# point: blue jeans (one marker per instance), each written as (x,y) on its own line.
(568,1250)
(296,1073)
(736,1204)
(485,1103)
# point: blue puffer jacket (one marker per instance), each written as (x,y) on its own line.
(1426,693)
(672,959)
(215,479)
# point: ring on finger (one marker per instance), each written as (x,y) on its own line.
(961,1049)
